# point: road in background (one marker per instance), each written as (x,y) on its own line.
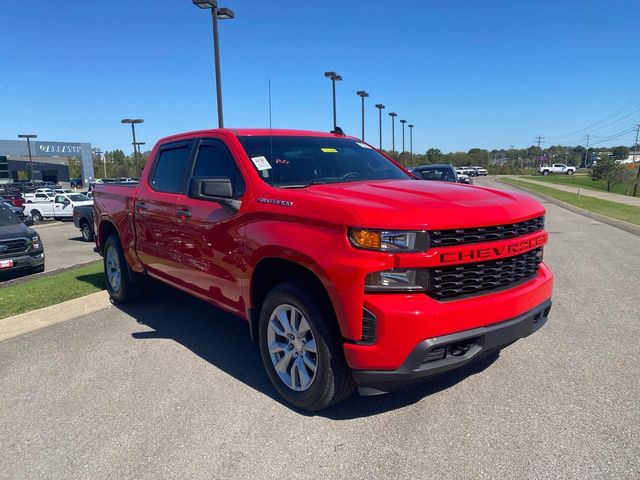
(170,387)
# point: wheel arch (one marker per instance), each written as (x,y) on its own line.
(272,271)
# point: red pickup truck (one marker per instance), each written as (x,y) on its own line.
(348,270)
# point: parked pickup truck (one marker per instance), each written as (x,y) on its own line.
(83,219)
(61,208)
(557,168)
(348,270)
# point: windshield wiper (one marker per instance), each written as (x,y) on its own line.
(304,185)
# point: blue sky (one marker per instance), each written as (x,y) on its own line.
(466,73)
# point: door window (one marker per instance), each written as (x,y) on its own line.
(214,160)
(60,199)
(171,168)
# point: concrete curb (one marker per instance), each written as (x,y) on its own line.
(622,225)
(11,327)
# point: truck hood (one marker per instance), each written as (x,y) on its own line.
(82,204)
(15,230)
(421,204)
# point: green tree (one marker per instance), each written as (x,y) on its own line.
(620,153)
(434,155)
(610,172)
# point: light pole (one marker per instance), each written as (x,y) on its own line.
(334,77)
(98,152)
(222,14)
(402,154)
(362,94)
(380,107)
(411,144)
(29,137)
(393,116)
(133,122)
(137,146)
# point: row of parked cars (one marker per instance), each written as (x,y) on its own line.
(44,203)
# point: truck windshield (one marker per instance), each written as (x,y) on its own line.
(299,161)
(7,217)
(78,197)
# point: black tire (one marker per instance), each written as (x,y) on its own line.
(333,381)
(569,172)
(545,172)
(36,216)
(124,290)
(87,233)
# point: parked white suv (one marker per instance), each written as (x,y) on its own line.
(557,168)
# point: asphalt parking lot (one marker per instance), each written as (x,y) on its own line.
(170,387)
(63,246)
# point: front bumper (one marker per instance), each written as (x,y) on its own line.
(435,356)
(23,261)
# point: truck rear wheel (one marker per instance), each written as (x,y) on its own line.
(116,272)
(545,172)
(300,347)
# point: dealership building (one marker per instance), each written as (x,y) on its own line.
(49,161)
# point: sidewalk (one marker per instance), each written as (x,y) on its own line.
(612,197)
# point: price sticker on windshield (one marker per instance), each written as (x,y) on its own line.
(363,145)
(261,163)
(329,150)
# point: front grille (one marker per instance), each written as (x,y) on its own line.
(17,245)
(474,278)
(463,236)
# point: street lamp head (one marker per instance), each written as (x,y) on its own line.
(206,3)
(362,93)
(411,126)
(379,106)
(403,121)
(225,14)
(27,135)
(132,120)
(393,114)
(333,75)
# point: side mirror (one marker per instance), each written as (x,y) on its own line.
(28,221)
(211,188)
(67,201)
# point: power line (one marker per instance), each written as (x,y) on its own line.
(620,110)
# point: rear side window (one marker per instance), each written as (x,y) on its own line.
(171,168)
(214,160)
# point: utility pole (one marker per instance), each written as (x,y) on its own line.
(540,138)
(586,154)
(635,153)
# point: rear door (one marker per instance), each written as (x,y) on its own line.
(155,209)
(209,245)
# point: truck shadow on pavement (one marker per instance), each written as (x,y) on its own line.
(222,339)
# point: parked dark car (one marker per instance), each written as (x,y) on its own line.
(441,172)
(83,219)
(17,211)
(21,250)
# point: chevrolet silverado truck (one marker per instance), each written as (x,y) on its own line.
(556,168)
(349,271)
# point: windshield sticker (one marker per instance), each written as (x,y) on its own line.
(261,163)
(329,150)
(363,145)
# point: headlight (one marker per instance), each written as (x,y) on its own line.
(399,279)
(35,242)
(389,240)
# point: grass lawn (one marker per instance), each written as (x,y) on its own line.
(620,211)
(582,181)
(52,289)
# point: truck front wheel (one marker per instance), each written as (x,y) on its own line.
(116,272)
(300,347)
(545,172)
(569,172)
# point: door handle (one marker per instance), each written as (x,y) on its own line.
(183,213)
(141,205)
